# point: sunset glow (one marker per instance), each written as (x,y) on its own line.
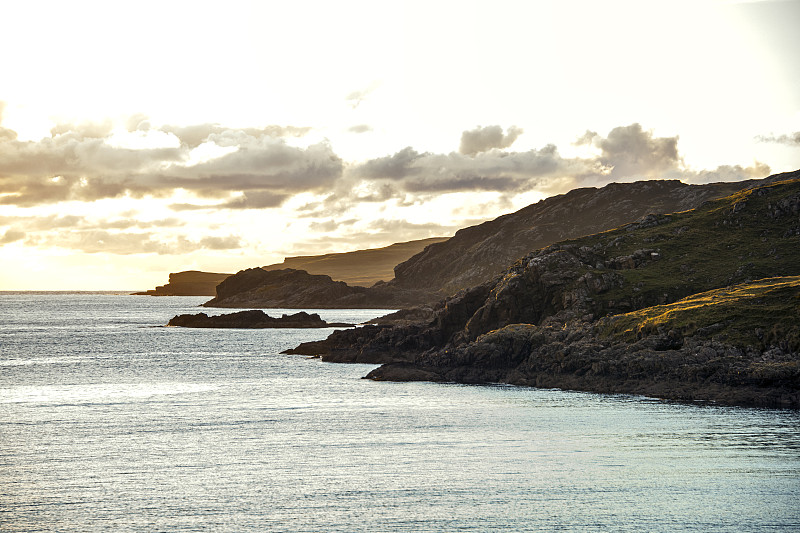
(139,139)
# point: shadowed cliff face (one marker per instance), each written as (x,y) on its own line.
(559,292)
(479,253)
(289,288)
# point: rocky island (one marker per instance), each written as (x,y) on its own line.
(697,305)
(254,319)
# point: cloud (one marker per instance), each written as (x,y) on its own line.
(128,243)
(412,171)
(356,97)
(195,135)
(394,167)
(12,235)
(484,139)
(33,224)
(375,234)
(791,139)
(586,138)
(230,242)
(726,173)
(631,152)
(84,130)
(360,128)
(79,162)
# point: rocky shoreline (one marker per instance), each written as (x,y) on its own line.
(254,319)
(680,307)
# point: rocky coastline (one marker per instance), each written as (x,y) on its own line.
(588,314)
(253,319)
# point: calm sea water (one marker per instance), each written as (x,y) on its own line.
(108,423)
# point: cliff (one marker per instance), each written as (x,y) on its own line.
(548,320)
(361,267)
(357,268)
(479,253)
(297,289)
(188,283)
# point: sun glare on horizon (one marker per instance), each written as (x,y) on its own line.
(142,139)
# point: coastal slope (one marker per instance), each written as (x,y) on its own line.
(479,253)
(549,319)
(359,268)
(188,283)
(362,268)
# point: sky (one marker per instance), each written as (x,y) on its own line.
(143,138)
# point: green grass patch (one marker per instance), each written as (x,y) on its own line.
(759,313)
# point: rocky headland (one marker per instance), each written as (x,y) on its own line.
(479,253)
(360,268)
(188,283)
(697,305)
(297,289)
(253,319)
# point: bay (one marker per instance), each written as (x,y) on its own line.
(109,421)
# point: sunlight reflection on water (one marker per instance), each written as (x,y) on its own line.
(136,428)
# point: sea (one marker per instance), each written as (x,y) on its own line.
(110,421)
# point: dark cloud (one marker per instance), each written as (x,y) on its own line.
(262,170)
(631,152)
(256,200)
(78,163)
(412,171)
(395,167)
(791,139)
(484,139)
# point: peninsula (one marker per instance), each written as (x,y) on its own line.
(696,305)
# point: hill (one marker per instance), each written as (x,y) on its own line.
(188,283)
(361,267)
(478,253)
(357,268)
(584,313)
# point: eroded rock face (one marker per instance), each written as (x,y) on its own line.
(289,288)
(256,287)
(536,323)
(479,253)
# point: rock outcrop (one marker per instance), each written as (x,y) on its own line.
(363,268)
(538,322)
(254,319)
(289,288)
(188,283)
(479,253)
